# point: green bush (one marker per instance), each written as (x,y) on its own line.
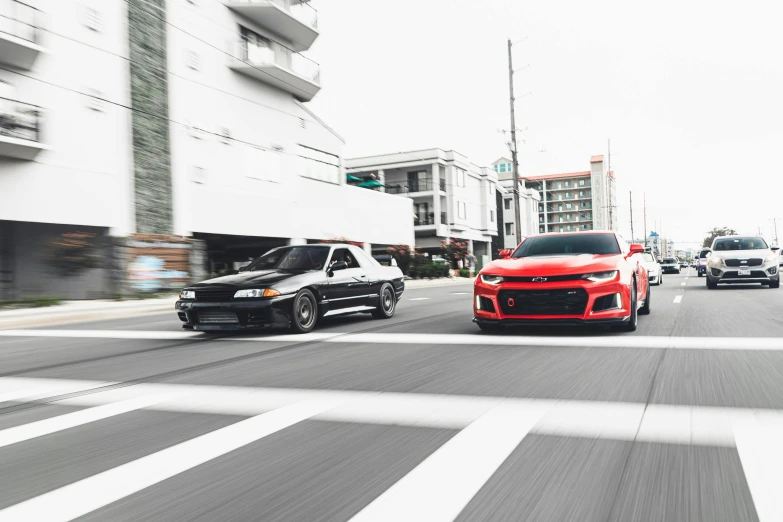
(464,272)
(429,270)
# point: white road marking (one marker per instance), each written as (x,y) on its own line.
(103,334)
(683,284)
(439,488)
(418,299)
(87,495)
(676,424)
(678,298)
(12,389)
(761,453)
(597,341)
(63,422)
(460,293)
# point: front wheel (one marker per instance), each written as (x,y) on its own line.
(304,313)
(645,309)
(711,285)
(775,283)
(630,326)
(387,303)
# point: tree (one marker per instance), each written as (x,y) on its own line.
(454,249)
(715,232)
(403,255)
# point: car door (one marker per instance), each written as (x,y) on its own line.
(347,288)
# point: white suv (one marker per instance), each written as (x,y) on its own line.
(742,259)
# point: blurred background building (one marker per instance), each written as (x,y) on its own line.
(127,125)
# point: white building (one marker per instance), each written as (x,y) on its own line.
(529,199)
(452,197)
(183,117)
(575,201)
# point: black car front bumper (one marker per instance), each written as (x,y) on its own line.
(241,314)
(670,269)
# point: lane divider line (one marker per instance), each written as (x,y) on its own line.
(418,299)
(761,454)
(678,299)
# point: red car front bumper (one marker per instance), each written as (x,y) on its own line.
(564,302)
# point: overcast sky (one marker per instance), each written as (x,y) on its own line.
(690,93)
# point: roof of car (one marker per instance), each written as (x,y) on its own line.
(581,232)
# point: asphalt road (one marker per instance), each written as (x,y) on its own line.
(420,417)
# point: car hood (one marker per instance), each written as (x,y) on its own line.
(263,278)
(554,265)
(741,254)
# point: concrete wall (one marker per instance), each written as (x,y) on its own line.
(84,176)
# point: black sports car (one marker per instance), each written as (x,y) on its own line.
(293,286)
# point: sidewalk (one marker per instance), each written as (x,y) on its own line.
(84,311)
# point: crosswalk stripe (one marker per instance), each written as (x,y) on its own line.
(439,488)
(87,495)
(477,339)
(62,422)
(760,448)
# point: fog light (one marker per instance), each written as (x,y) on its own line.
(773,270)
(182,316)
(478,303)
(716,272)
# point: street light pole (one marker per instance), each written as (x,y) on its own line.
(517,220)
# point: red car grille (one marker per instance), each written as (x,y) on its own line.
(561,301)
(546,279)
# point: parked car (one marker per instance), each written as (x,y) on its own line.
(743,259)
(293,286)
(683,264)
(670,265)
(702,263)
(581,278)
(654,271)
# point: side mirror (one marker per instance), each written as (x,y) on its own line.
(504,254)
(775,248)
(337,265)
(636,248)
(243,268)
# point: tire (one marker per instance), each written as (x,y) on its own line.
(490,328)
(632,323)
(645,310)
(304,312)
(700,274)
(775,283)
(660,279)
(387,302)
(711,285)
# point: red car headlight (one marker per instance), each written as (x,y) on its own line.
(491,279)
(598,277)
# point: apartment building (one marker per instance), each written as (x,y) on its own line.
(177,117)
(529,199)
(576,201)
(452,197)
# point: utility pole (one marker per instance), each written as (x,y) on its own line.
(630,197)
(609,181)
(517,219)
(775,222)
(645,220)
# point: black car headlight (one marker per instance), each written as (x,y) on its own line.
(257,292)
(187,294)
(598,277)
(491,279)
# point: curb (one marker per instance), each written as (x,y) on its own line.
(412,284)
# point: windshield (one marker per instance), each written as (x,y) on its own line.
(292,258)
(739,243)
(703,254)
(669,260)
(568,244)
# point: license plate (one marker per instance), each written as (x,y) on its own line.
(744,272)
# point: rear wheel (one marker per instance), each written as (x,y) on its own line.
(645,309)
(387,302)
(630,326)
(660,279)
(304,313)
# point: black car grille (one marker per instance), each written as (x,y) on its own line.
(214,294)
(733,274)
(742,263)
(543,279)
(561,301)
(217,317)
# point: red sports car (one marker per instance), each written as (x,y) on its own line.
(574,278)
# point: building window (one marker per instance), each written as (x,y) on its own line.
(584,227)
(93,19)
(583,216)
(568,228)
(559,185)
(541,229)
(568,194)
(496,167)
(561,228)
(541,208)
(581,183)
(583,204)
(460,177)
(461,210)
(491,216)
(316,164)
(581,193)
(540,219)
(509,230)
(507,204)
(192,59)
(559,206)
(568,206)
(502,167)
(560,219)
(255,48)
(567,183)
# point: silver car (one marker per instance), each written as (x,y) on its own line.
(742,259)
(654,272)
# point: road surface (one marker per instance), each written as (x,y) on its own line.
(421,417)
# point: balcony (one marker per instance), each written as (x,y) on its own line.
(278,66)
(295,21)
(20,34)
(408,187)
(429,220)
(20,130)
